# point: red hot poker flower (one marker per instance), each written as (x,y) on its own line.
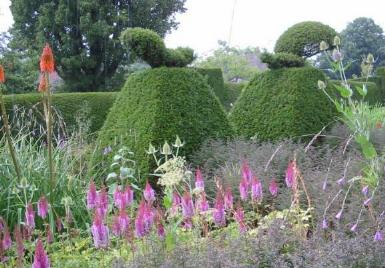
(2,76)
(47,63)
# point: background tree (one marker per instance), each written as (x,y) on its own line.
(84,34)
(236,64)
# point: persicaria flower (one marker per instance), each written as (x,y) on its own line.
(378,236)
(256,189)
(47,63)
(2,75)
(273,188)
(7,241)
(187,205)
(102,202)
(41,258)
(239,216)
(19,242)
(219,212)
(91,196)
(42,207)
(143,220)
(243,189)
(119,199)
(149,193)
(201,204)
(120,223)
(290,176)
(228,198)
(128,196)
(246,172)
(30,216)
(99,232)
(199,183)
(175,203)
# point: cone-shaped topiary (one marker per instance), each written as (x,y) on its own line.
(156,105)
(282,103)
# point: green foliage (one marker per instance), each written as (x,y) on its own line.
(233,91)
(374,94)
(214,78)
(380,71)
(85,34)
(236,64)
(304,38)
(282,103)
(156,105)
(282,60)
(147,45)
(68,104)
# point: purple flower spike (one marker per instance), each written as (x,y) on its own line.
(19,242)
(201,204)
(139,222)
(273,188)
(324,224)
(119,199)
(128,196)
(175,203)
(354,228)
(228,199)
(91,196)
(187,206)
(290,176)
(256,190)
(365,190)
(243,189)
(339,214)
(378,236)
(99,232)
(247,174)
(42,207)
(7,241)
(102,202)
(149,193)
(41,258)
(199,183)
(219,212)
(30,216)
(239,216)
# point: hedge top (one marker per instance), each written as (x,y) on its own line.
(304,38)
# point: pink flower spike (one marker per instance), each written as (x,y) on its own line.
(273,188)
(243,189)
(7,241)
(239,216)
(354,228)
(128,196)
(324,224)
(91,196)
(201,204)
(119,199)
(290,176)
(339,214)
(378,236)
(42,207)
(187,206)
(41,258)
(30,216)
(149,193)
(175,203)
(199,183)
(99,232)
(228,198)
(102,202)
(19,242)
(219,212)
(247,174)
(365,190)
(256,189)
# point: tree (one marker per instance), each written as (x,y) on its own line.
(359,38)
(236,64)
(84,34)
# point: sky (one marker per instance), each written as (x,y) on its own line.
(255,23)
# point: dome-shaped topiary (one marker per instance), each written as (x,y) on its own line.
(282,103)
(282,60)
(303,39)
(149,46)
(156,105)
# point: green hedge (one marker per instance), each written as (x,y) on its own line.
(156,105)
(68,104)
(234,90)
(214,77)
(282,103)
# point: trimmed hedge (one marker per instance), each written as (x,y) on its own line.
(282,103)
(68,104)
(156,105)
(214,77)
(234,90)
(282,60)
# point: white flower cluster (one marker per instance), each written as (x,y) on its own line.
(173,172)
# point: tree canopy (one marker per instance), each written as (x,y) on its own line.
(84,34)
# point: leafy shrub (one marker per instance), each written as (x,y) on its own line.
(158,104)
(282,103)
(149,46)
(304,38)
(67,104)
(214,78)
(233,91)
(282,60)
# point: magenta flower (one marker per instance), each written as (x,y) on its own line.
(199,183)
(19,242)
(120,223)
(290,176)
(339,214)
(149,193)
(175,203)
(187,223)
(324,224)
(100,232)
(160,230)
(256,189)
(201,204)
(42,207)
(243,189)
(273,188)
(140,228)
(7,241)
(102,202)
(148,217)
(228,198)
(219,211)
(30,216)
(128,196)
(247,174)
(354,228)
(119,199)
(239,216)
(187,206)
(365,190)
(378,236)
(91,196)
(41,258)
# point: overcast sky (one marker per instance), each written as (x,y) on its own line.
(255,23)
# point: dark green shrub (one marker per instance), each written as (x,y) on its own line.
(149,46)
(68,104)
(156,105)
(304,38)
(282,103)
(214,78)
(234,91)
(282,60)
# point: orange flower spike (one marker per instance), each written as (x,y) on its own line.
(47,63)
(42,84)
(2,76)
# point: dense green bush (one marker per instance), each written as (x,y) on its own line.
(282,60)
(303,39)
(69,105)
(214,78)
(156,105)
(282,103)
(149,46)
(234,91)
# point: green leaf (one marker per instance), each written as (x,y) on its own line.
(367,147)
(362,91)
(170,241)
(345,91)
(167,202)
(339,107)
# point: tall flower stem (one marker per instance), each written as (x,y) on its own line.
(8,136)
(48,101)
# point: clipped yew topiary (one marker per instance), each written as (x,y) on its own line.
(282,103)
(156,105)
(303,39)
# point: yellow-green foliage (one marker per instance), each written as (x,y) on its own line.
(156,105)
(282,103)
